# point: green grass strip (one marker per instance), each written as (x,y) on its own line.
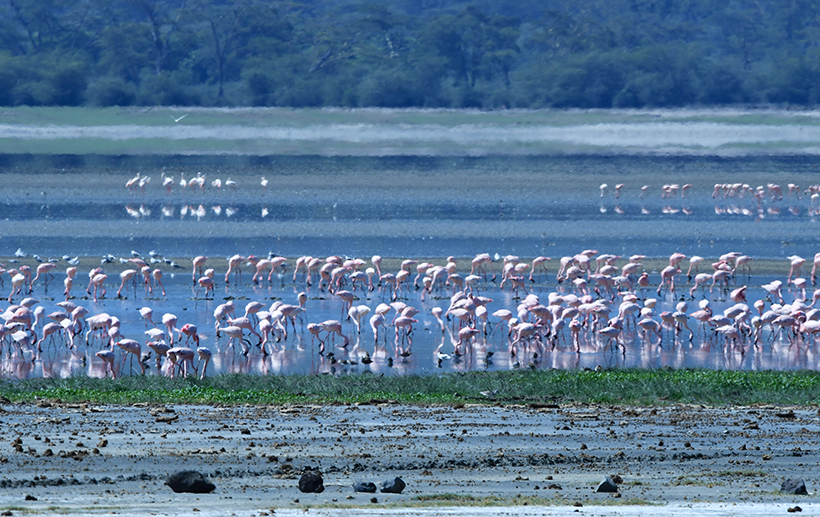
(633,387)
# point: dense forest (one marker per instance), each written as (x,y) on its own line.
(403,53)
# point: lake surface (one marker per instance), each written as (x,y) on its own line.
(404,207)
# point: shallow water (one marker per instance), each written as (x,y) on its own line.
(403,207)
(299,353)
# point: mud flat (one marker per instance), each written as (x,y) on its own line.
(456,460)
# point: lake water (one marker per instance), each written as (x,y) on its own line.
(404,207)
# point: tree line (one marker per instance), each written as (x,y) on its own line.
(409,53)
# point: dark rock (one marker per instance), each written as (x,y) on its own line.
(617,479)
(794,509)
(365,486)
(30,497)
(793,486)
(374,500)
(393,486)
(607,485)
(311,483)
(190,481)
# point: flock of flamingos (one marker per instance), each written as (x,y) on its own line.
(730,198)
(599,303)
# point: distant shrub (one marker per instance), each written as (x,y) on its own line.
(111,91)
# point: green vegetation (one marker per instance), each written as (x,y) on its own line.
(635,387)
(688,481)
(396,53)
(740,473)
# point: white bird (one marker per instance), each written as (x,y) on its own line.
(180,118)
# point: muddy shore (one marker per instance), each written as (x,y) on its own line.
(90,459)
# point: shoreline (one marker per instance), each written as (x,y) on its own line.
(119,455)
(652,265)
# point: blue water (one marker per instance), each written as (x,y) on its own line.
(403,208)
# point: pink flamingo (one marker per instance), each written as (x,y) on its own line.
(170,322)
(157,274)
(262,265)
(208,284)
(234,264)
(668,276)
(125,276)
(131,349)
(333,327)
(17,282)
(204,354)
(190,332)
(44,270)
(796,267)
(376,322)
(377,263)
(98,281)
(107,357)
(182,357)
(245,323)
(480,264)
(198,263)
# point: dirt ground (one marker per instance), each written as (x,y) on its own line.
(97,459)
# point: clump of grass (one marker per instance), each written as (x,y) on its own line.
(634,387)
(450,499)
(687,481)
(742,473)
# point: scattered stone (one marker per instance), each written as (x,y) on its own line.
(6,513)
(365,486)
(788,415)
(167,418)
(190,481)
(103,443)
(555,486)
(794,486)
(393,486)
(794,509)
(607,485)
(311,483)
(617,479)
(374,500)
(30,497)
